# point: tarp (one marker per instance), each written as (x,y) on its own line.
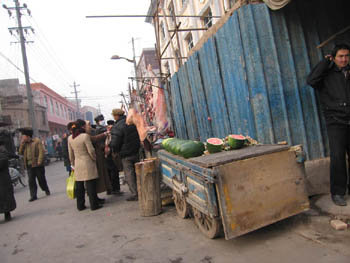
(276,4)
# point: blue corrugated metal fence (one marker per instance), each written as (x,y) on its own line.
(250,79)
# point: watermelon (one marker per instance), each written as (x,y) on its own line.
(214,145)
(191,149)
(236,141)
(184,148)
(165,143)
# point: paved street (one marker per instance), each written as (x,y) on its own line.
(52,230)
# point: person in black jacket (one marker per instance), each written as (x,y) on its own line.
(126,142)
(330,78)
(65,153)
(7,198)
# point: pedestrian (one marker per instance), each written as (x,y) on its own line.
(104,182)
(7,198)
(83,158)
(330,79)
(33,153)
(113,163)
(126,142)
(59,151)
(65,153)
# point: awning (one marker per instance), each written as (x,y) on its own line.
(276,4)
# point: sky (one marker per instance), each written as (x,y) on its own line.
(69,47)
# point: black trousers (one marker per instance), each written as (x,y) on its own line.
(91,186)
(33,174)
(339,146)
(114,176)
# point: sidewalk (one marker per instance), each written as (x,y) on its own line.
(324,204)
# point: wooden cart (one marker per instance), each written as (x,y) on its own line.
(239,190)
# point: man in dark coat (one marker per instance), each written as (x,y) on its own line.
(7,198)
(330,78)
(104,183)
(65,153)
(126,142)
(113,165)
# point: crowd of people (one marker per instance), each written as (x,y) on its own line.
(96,154)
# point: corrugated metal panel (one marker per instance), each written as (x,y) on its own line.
(177,109)
(186,96)
(251,76)
(212,84)
(199,98)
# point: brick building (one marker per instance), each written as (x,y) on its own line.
(60,111)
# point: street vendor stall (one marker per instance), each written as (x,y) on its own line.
(239,190)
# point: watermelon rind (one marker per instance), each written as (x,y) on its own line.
(214,148)
(236,141)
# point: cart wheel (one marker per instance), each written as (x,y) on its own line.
(211,227)
(182,208)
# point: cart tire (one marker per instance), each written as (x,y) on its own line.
(182,207)
(211,227)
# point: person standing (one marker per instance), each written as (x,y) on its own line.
(33,153)
(7,198)
(65,153)
(126,142)
(83,158)
(113,163)
(330,79)
(104,183)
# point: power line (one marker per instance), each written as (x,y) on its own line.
(13,64)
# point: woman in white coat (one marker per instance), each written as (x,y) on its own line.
(83,158)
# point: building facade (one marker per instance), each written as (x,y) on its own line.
(89,113)
(15,109)
(60,111)
(192,18)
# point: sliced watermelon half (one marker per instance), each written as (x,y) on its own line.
(214,145)
(236,141)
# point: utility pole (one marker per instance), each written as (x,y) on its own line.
(76,98)
(19,29)
(135,66)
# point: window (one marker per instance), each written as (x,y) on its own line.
(189,41)
(178,57)
(45,102)
(65,113)
(172,14)
(62,112)
(162,30)
(207,18)
(44,117)
(57,109)
(51,103)
(167,68)
(183,3)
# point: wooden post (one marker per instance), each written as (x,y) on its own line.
(148,187)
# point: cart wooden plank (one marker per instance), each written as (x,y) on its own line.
(259,191)
(224,157)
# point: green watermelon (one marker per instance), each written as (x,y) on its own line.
(236,141)
(190,149)
(165,143)
(214,145)
(184,148)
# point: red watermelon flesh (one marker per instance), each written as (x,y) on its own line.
(214,145)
